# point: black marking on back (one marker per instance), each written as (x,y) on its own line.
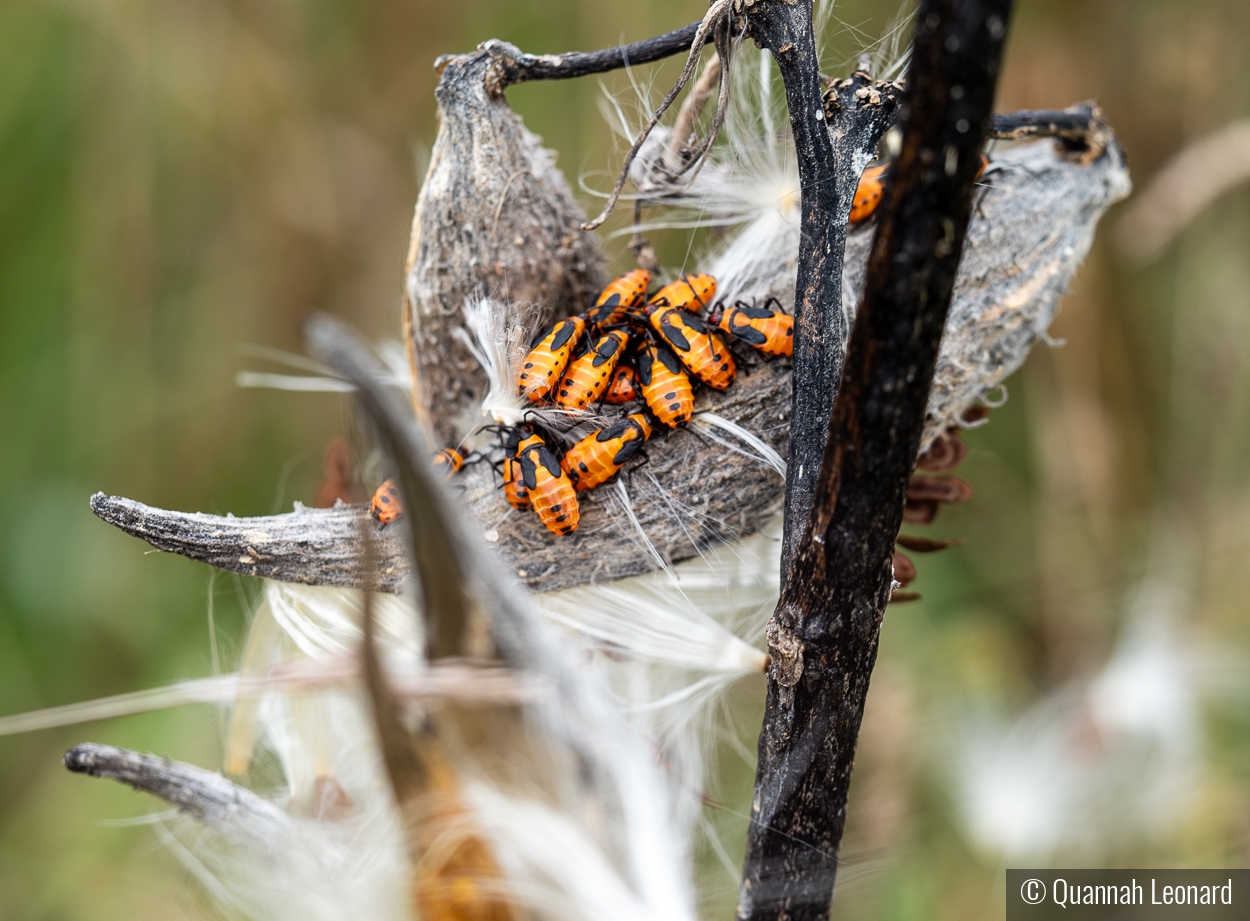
(675,337)
(529,472)
(616,430)
(757,313)
(645,358)
(567,329)
(548,460)
(605,350)
(669,360)
(628,450)
(748,333)
(541,336)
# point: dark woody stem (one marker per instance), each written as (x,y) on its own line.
(785,29)
(518,67)
(823,636)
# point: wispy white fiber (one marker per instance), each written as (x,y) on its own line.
(670,644)
(763,452)
(323,379)
(627,506)
(303,869)
(497,336)
(649,618)
(300,383)
(559,871)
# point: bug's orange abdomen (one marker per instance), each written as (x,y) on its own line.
(868,193)
(665,385)
(698,348)
(690,293)
(624,386)
(385,506)
(588,376)
(768,329)
(618,297)
(549,487)
(514,485)
(545,362)
(449,461)
(600,456)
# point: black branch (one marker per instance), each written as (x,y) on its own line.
(823,635)
(1074,123)
(828,174)
(1081,130)
(515,66)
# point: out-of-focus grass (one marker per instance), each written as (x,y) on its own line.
(177,179)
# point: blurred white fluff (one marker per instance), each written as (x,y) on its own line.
(305,732)
(322,379)
(1111,759)
(559,872)
(669,644)
(321,868)
(340,852)
(653,640)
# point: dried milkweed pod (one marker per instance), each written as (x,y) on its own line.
(692,494)
(495,218)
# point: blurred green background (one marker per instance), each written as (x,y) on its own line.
(184,177)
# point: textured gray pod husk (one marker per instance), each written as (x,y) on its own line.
(495,217)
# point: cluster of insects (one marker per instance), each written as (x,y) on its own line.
(626,348)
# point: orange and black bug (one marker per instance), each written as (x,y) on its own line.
(698,348)
(623,387)
(550,489)
(618,297)
(385,506)
(985,162)
(588,375)
(665,385)
(545,362)
(771,330)
(449,461)
(868,193)
(600,456)
(690,292)
(513,484)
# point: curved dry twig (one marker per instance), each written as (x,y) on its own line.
(307,546)
(515,66)
(716,13)
(204,795)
